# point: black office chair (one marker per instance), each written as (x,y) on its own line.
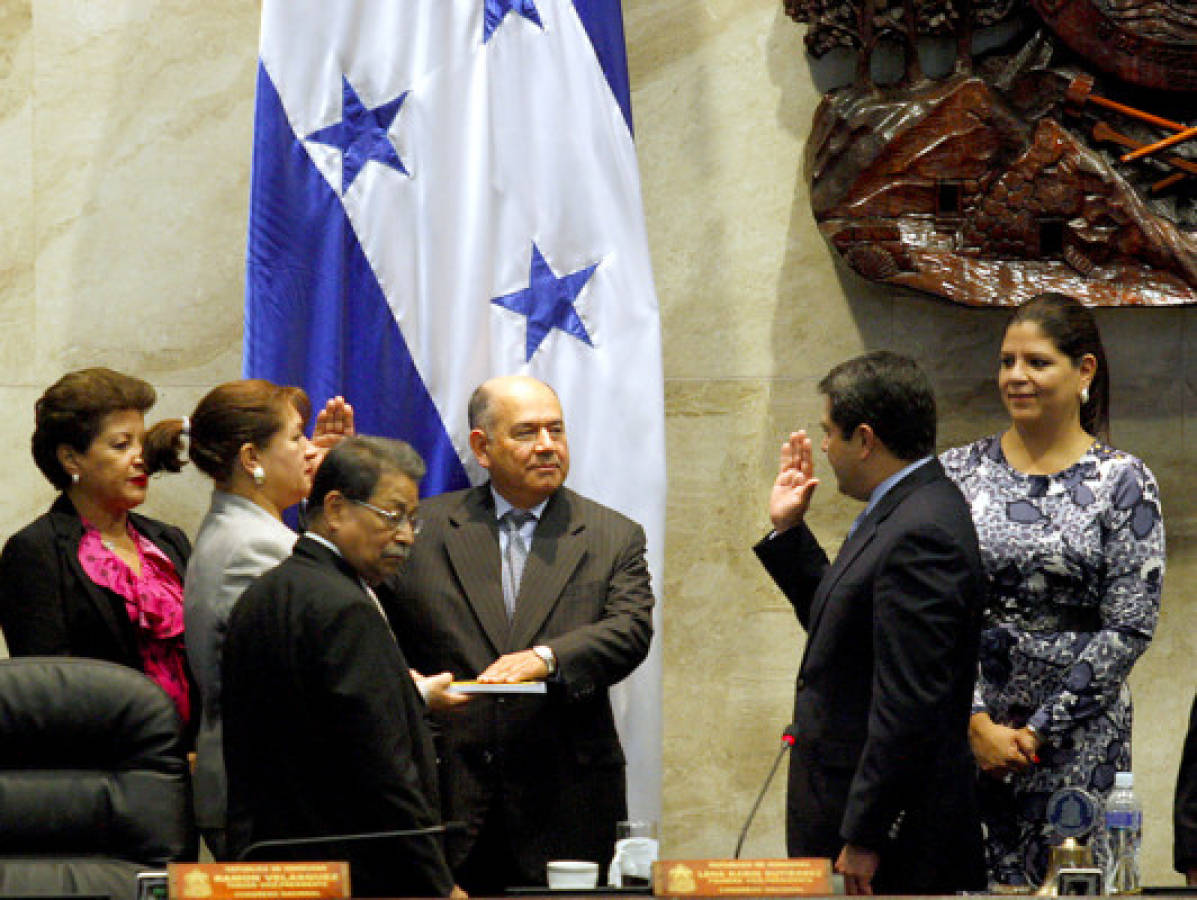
(94,785)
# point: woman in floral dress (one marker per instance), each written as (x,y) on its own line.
(1073,545)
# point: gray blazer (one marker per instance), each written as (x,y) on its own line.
(237,542)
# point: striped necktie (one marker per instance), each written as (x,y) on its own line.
(515,557)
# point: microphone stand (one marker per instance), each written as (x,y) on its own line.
(787,741)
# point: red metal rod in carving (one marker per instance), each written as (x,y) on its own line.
(1137,113)
(1080,92)
(1164,183)
(1102,132)
(1170,141)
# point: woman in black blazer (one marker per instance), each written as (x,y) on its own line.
(90,577)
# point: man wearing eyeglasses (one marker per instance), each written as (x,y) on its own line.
(521,579)
(324,731)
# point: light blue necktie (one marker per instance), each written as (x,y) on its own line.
(515,557)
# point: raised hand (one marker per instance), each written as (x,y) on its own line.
(333,423)
(790,498)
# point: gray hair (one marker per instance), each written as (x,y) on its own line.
(356,464)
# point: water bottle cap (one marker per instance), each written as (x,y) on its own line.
(1124,780)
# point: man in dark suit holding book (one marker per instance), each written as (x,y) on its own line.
(522,579)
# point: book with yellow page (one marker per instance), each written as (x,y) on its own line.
(478,687)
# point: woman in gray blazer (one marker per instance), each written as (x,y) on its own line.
(248,437)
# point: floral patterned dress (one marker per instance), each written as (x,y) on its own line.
(1075,564)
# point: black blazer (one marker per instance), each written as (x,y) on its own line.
(1184,811)
(885,687)
(323,726)
(554,761)
(48,604)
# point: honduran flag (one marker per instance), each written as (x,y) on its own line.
(447,190)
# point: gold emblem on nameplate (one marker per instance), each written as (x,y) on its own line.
(196,883)
(252,881)
(741,877)
(681,880)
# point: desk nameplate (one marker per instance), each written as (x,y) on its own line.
(741,877)
(257,880)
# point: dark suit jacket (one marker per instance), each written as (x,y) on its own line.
(885,686)
(323,726)
(1184,811)
(48,604)
(553,761)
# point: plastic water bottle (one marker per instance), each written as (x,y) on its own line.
(1124,822)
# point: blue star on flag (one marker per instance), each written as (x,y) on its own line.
(495,10)
(548,302)
(361,135)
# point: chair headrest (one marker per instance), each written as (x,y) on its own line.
(64,712)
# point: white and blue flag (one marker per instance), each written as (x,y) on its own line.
(447,190)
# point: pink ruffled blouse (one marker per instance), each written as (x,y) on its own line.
(154,601)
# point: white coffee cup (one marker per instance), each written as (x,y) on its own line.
(572,874)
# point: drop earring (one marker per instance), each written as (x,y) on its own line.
(1084,395)
(74,478)
(259,475)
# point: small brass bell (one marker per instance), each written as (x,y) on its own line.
(1068,854)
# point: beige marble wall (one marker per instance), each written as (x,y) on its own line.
(125,135)
(754,312)
(124,138)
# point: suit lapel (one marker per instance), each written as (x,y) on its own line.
(850,549)
(68,532)
(557,547)
(867,530)
(472,544)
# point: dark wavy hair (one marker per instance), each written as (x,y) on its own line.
(889,393)
(72,411)
(1072,329)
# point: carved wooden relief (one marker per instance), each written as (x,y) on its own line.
(1146,42)
(1021,171)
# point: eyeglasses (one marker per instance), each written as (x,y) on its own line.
(394,520)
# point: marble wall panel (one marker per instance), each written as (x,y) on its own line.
(141,155)
(750,326)
(26,492)
(1162,687)
(720,155)
(16,187)
(731,640)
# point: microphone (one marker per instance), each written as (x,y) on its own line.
(787,741)
(261,849)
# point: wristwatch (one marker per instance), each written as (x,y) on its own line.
(547,657)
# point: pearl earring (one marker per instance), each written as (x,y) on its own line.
(1084,395)
(259,475)
(74,478)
